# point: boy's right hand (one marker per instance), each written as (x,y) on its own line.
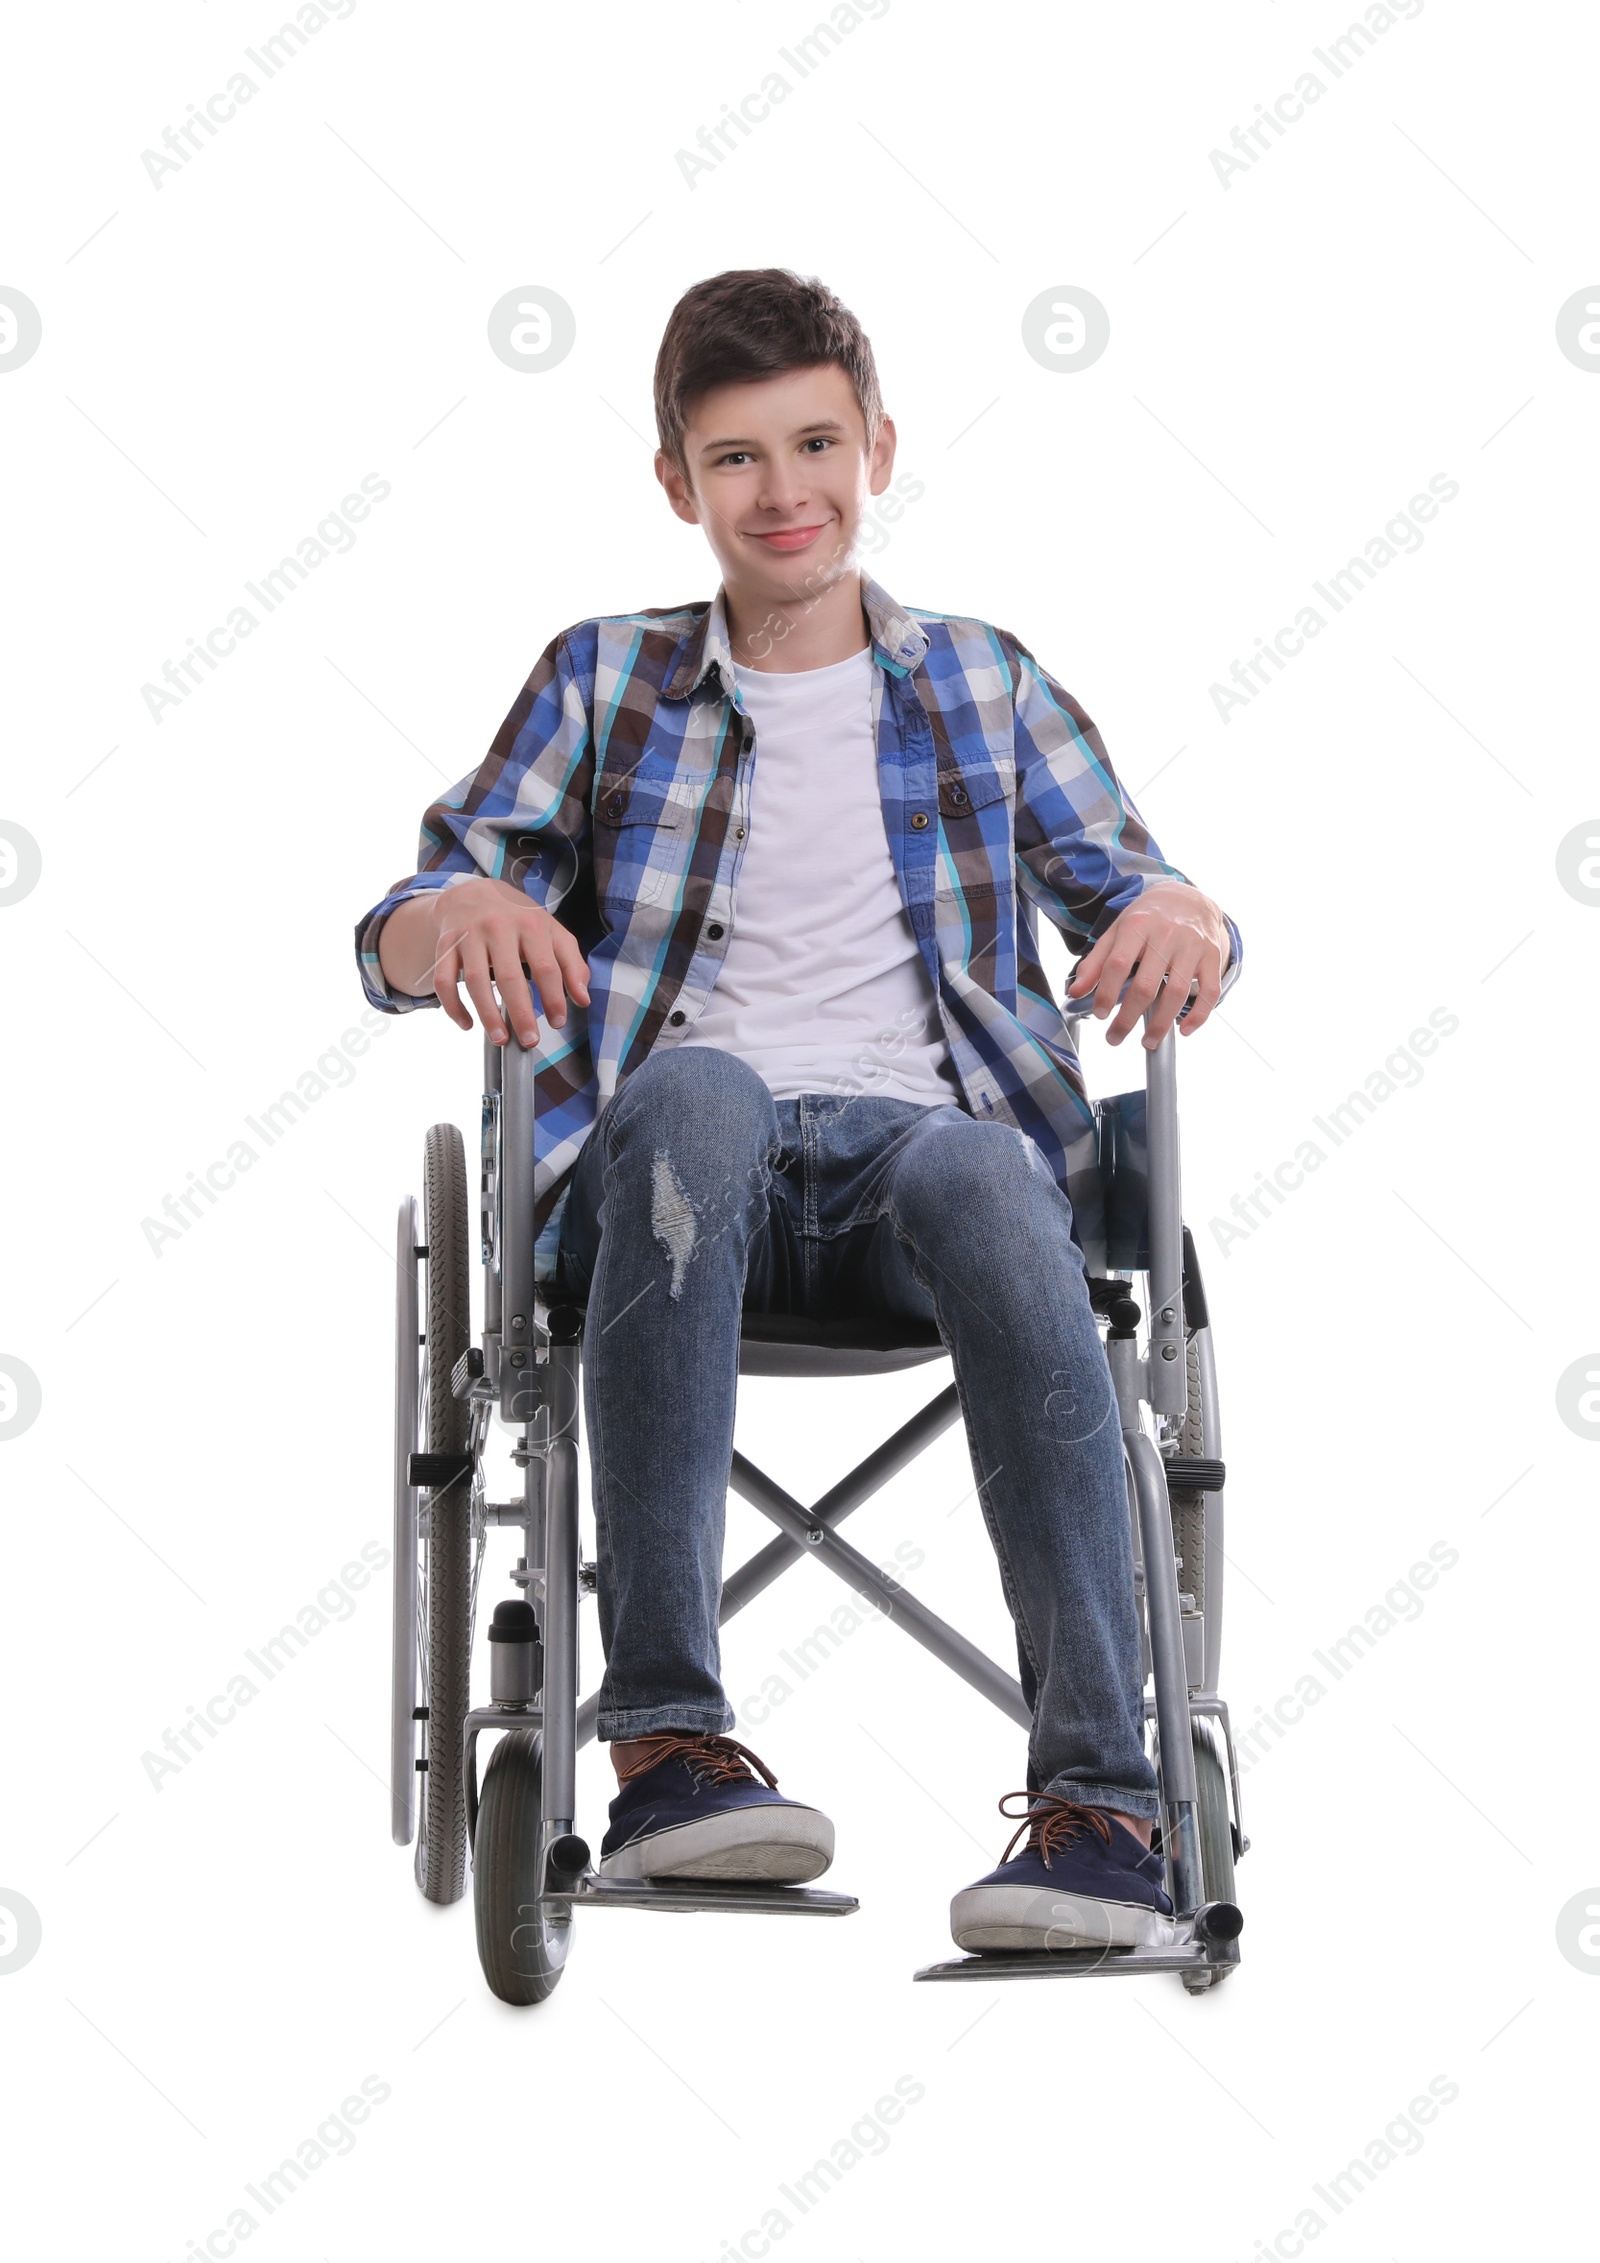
(487,934)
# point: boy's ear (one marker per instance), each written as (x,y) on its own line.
(677,488)
(881,461)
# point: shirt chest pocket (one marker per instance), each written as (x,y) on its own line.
(975,825)
(643,819)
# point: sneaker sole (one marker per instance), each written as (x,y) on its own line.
(1021,1917)
(772,1845)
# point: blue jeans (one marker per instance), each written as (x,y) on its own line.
(696,1196)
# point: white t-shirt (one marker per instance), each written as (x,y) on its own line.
(823,988)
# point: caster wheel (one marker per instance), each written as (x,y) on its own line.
(523,1952)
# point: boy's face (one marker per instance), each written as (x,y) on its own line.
(779,476)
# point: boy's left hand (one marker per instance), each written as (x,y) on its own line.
(1173,937)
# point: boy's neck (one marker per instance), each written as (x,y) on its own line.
(811,631)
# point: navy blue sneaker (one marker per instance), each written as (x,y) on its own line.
(1083,1881)
(695,1807)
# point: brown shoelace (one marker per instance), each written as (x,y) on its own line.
(1050,1822)
(714,1760)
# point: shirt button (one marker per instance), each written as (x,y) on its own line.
(677,1017)
(738,832)
(715,931)
(614,806)
(958,795)
(919,820)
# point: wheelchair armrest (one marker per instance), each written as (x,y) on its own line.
(1078,1009)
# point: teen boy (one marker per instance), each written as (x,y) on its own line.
(774,865)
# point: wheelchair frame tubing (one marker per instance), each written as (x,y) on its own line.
(1179,1791)
(561,1592)
(1167,1380)
(1161,1381)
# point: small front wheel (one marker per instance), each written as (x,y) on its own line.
(1215,1823)
(523,1950)
(1214,1819)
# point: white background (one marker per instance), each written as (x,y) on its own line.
(1292,356)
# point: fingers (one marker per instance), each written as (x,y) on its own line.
(571,962)
(1143,984)
(507,951)
(1148,961)
(1089,966)
(523,965)
(546,978)
(1210,991)
(1129,947)
(446,978)
(492,941)
(480,989)
(1174,992)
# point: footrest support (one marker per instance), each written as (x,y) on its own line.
(687,1894)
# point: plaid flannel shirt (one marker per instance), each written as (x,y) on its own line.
(617,794)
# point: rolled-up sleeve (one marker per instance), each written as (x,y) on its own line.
(521,816)
(1084,853)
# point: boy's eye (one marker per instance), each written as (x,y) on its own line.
(820,441)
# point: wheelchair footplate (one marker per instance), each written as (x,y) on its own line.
(688,1894)
(1205,1949)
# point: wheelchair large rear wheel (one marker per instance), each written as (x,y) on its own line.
(445,1547)
(522,1951)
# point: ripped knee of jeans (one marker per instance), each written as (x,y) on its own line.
(672,1219)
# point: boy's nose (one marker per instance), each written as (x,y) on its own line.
(784,493)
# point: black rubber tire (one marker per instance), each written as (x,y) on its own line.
(1216,1833)
(1213,1816)
(522,1955)
(445,1423)
(1214,1823)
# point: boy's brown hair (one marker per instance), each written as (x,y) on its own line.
(750,323)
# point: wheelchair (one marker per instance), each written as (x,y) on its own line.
(531,1872)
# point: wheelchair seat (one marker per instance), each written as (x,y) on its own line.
(781,1343)
(1110,1202)
(778,1343)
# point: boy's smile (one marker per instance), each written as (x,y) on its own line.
(780,475)
(789,538)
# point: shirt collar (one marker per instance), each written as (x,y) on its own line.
(898,642)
